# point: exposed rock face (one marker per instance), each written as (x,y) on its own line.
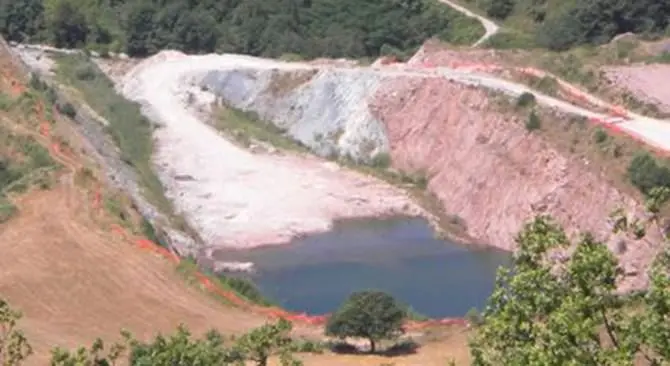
(325,110)
(484,166)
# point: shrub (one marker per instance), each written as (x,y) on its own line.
(67,109)
(646,173)
(474,317)
(85,73)
(526,99)
(600,136)
(533,123)
(382,160)
(5,102)
(511,40)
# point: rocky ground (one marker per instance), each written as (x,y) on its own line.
(648,82)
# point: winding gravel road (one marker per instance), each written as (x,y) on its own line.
(652,131)
(490,27)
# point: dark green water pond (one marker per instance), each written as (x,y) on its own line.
(401,256)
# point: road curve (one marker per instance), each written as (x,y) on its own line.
(490,27)
(651,131)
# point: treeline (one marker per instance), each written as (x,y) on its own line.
(561,24)
(309,28)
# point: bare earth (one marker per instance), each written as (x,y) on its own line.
(75,282)
(649,82)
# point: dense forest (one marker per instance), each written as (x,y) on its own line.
(308,28)
(561,24)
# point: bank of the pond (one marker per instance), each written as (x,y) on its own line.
(435,277)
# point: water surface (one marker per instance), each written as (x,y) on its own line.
(401,256)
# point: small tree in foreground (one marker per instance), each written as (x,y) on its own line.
(14,347)
(260,343)
(567,311)
(374,315)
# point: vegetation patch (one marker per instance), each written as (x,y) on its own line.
(317,28)
(242,287)
(23,162)
(247,129)
(612,155)
(7,209)
(130,130)
(562,24)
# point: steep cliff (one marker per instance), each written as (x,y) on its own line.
(486,168)
(482,163)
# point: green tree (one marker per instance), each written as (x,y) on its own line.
(21,20)
(14,347)
(499,9)
(269,339)
(67,24)
(646,173)
(180,349)
(93,356)
(373,315)
(139,25)
(555,310)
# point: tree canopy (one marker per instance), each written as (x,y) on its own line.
(562,24)
(177,349)
(373,315)
(549,310)
(310,28)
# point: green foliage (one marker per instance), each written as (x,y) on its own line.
(562,24)
(646,173)
(178,349)
(243,287)
(533,122)
(374,315)
(260,343)
(93,356)
(181,349)
(7,209)
(345,28)
(129,129)
(511,40)
(531,305)
(499,9)
(67,109)
(14,347)
(598,21)
(382,160)
(5,102)
(547,310)
(600,136)
(474,317)
(526,99)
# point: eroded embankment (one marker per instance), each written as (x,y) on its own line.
(482,163)
(233,197)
